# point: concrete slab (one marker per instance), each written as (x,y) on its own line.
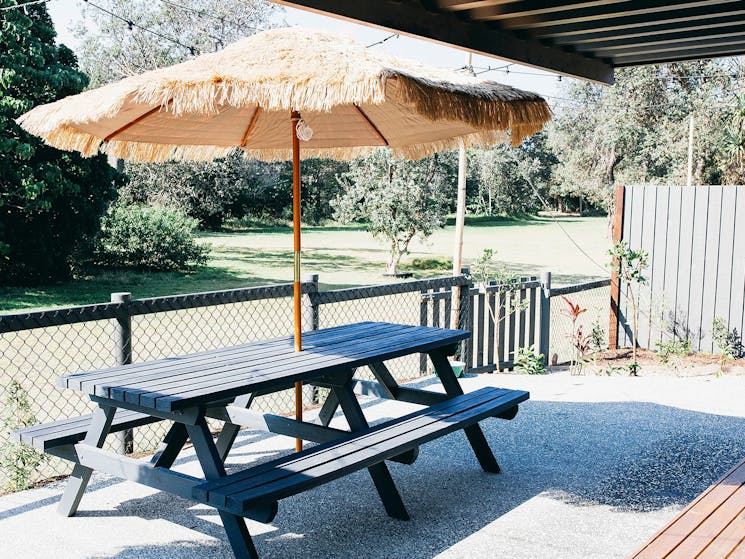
(592,466)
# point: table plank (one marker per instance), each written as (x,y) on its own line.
(186,374)
(84,380)
(176,383)
(295,372)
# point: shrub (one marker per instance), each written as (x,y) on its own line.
(529,362)
(148,238)
(18,461)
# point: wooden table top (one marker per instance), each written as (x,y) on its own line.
(196,379)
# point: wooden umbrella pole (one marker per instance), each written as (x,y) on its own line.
(297,292)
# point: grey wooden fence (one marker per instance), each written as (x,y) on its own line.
(695,237)
(502,317)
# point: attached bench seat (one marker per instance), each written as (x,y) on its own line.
(711,527)
(253,491)
(47,436)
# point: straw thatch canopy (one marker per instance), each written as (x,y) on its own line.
(354,99)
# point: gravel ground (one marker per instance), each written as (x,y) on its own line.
(592,467)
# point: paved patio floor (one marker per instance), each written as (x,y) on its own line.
(592,466)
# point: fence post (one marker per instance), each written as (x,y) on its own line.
(545,323)
(310,319)
(465,313)
(123,356)
(615,284)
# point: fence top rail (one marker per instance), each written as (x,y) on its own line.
(341,295)
(586,286)
(106,311)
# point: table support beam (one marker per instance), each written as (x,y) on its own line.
(474,433)
(382,479)
(81,475)
(209,458)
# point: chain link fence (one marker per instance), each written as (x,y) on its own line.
(592,296)
(38,347)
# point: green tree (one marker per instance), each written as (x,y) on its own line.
(636,131)
(210,192)
(50,201)
(111,49)
(508,178)
(320,187)
(397,199)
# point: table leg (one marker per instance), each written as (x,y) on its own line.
(81,475)
(171,446)
(330,405)
(212,465)
(474,433)
(229,432)
(381,477)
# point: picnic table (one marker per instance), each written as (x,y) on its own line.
(222,384)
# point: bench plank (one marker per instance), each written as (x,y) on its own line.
(713,525)
(73,430)
(292,474)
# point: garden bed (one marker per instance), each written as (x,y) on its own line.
(696,364)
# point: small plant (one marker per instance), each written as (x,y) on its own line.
(530,362)
(18,461)
(674,352)
(485,270)
(597,340)
(729,342)
(579,341)
(629,264)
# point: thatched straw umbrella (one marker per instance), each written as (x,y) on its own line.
(256,93)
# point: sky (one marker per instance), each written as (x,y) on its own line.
(66,12)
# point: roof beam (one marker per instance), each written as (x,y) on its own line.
(528,8)
(552,30)
(457,5)
(679,38)
(413,19)
(650,29)
(600,14)
(681,55)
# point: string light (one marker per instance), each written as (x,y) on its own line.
(23,6)
(388,38)
(132,24)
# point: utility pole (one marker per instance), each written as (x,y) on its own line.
(460,220)
(690,151)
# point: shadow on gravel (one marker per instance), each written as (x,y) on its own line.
(627,455)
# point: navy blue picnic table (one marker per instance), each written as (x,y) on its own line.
(222,384)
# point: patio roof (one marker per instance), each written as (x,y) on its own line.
(586,39)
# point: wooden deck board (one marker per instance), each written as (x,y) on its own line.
(712,526)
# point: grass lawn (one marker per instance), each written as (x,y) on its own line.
(343,256)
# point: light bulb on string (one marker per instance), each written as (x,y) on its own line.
(303,131)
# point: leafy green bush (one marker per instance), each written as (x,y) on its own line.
(18,461)
(529,362)
(430,264)
(148,238)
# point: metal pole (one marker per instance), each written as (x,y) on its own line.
(297,291)
(123,356)
(545,324)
